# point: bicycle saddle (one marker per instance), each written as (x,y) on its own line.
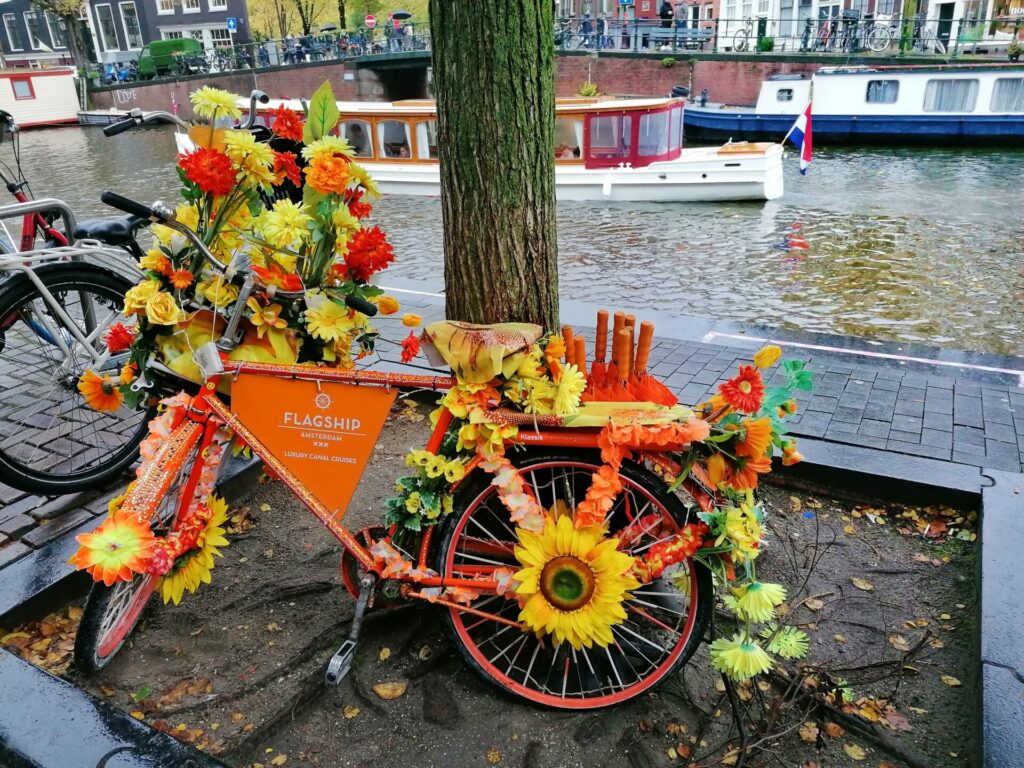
(478,353)
(118,230)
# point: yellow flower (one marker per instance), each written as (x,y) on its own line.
(539,396)
(188,215)
(285,224)
(217,292)
(573,583)
(362,177)
(344,222)
(447,504)
(743,530)
(388,305)
(254,159)
(436,467)
(162,309)
(418,458)
(156,261)
(740,658)
(327,146)
(757,601)
(412,504)
(212,103)
(454,471)
(767,356)
(485,438)
(193,568)
(328,321)
(100,392)
(265,317)
(570,388)
(115,551)
(411,320)
(127,374)
(135,298)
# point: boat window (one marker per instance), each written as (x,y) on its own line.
(610,137)
(784,94)
(882,91)
(654,133)
(950,95)
(357,133)
(393,136)
(23,88)
(426,140)
(675,132)
(1008,95)
(568,138)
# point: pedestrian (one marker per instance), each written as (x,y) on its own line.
(264,55)
(602,31)
(389,32)
(587,30)
(666,13)
(682,14)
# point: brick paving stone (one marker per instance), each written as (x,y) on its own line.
(874,428)
(937,439)
(967,411)
(941,421)
(917,449)
(19,507)
(822,403)
(847,415)
(11,552)
(17,525)
(971,435)
(903,423)
(1002,432)
(46,533)
(1003,450)
(905,437)
(932,405)
(878,412)
(884,397)
(909,408)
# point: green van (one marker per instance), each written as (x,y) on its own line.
(158,57)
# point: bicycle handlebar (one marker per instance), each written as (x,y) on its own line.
(115,200)
(119,127)
(360,304)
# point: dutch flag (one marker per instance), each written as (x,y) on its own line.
(800,135)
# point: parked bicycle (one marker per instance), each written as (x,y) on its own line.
(741,40)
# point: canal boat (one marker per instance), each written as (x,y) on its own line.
(101,116)
(37,98)
(605,149)
(954,104)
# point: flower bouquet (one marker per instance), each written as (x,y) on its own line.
(291,206)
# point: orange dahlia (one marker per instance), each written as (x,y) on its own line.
(756,437)
(746,472)
(745,392)
(285,168)
(210,169)
(327,174)
(274,276)
(119,337)
(181,279)
(368,253)
(100,392)
(287,123)
(115,551)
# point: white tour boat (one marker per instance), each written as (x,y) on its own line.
(605,149)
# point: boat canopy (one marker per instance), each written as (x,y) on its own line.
(592,132)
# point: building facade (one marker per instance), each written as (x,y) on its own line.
(116,30)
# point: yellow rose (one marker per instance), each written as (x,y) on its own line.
(411,321)
(162,309)
(218,293)
(156,261)
(135,298)
(767,356)
(388,305)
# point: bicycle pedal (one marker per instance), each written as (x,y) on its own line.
(341,662)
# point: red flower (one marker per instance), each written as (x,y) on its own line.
(274,276)
(286,123)
(119,337)
(357,207)
(210,169)
(410,347)
(368,253)
(745,392)
(285,168)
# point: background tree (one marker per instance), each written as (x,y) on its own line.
(68,12)
(273,18)
(493,64)
(311,14)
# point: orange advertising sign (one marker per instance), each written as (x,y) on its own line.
(323,432)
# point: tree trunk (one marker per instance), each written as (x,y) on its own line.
(341,14)
(493,72)
(75,45)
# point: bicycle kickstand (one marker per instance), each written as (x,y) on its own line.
(341,661)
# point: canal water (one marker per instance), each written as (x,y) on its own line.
(923,245)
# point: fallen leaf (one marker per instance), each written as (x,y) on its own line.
(849,529)
(138,715)
(834,730)
(951,681)
(814,604)
(238,717)
(683,750)
(107,690)
(384,655)
(75,613)
(279,760)
(248,728)
(839,638)
(897,721)
(350,711)
(945,616)
(644,726)
(425,653)
(671,752)
(899,642)
(391,690)
(273,627)
(731,757)
(854,751)
(264,507)
(863,584)
(810,764)
(493,756)
(918,710)
(809,732)
(795,503)
(869,713)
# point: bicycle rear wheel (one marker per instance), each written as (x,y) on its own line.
(740,41)
(51,441)
(879,40)
(667,617)
(111,613)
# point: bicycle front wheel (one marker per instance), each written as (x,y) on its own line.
(740,41)
(666,618)
(51,441)
(879,40)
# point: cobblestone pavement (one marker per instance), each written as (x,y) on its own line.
(869,402)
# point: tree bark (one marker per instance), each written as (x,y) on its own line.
(493,73)
(341,14)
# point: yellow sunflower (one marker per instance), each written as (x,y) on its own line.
(571,384)
(212,103)
(574,583)
(193,568)
(327,146)
(328,321)
(285,224)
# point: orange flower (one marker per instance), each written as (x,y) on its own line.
(100,392)
(115,551)
(368,253)
(328,174)
(790,455)
(119,337)
(287,123)
(411,320)
(210,169)
(274,276)
(747,470)
(605,486)
(388,305)
(719,470)
(181,279)
(553,352)
(357,207)
(745,392)
(410,347)
(757,437)
(285,168)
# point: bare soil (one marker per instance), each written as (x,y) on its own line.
(237,669)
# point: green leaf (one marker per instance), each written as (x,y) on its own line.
(323,114)
(143,693)
(311,197)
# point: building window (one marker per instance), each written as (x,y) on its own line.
(218,5)
(164,7)
(950,95)
(176,35)
(23,88)
(221,38)
(58,30)
(14,37)
(197,34)
(784,94)
(882,91)
(1008,95)
(132,31)
(191,6)
(35,23)
(105,27)
(358,135)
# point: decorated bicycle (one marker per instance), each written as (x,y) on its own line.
(567,516)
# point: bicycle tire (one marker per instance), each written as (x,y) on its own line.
(541,469)
(740,41)
(111,614)
(879,40)
(25,435)
(937,45)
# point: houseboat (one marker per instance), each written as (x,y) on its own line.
(39,97)
(961,104)
(614,150)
